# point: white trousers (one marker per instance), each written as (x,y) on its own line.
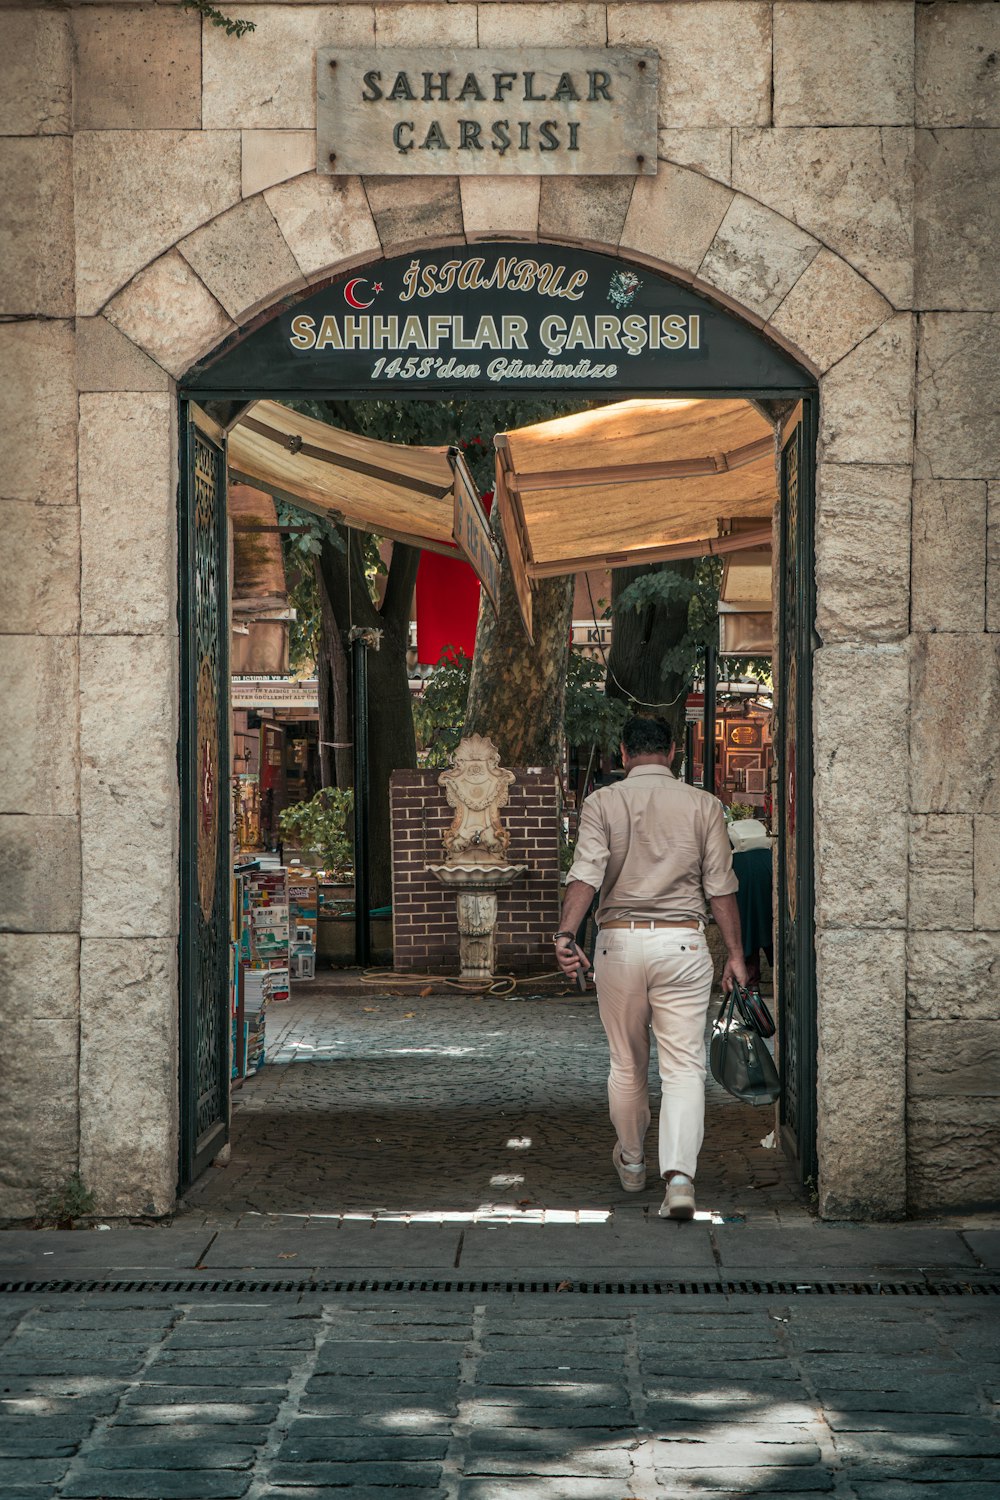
(660,978)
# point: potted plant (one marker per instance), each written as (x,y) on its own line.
(740,810)
(319,827)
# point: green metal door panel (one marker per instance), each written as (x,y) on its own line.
(796,958)
(204,777)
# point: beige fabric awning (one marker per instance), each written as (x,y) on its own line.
(640,481)
(425,496)
(401,492)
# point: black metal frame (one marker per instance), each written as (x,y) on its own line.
(197,1146)
(801,1142)
(796,937)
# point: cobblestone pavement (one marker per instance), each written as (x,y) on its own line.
(444,1148)
(500,1398)
(413,1103)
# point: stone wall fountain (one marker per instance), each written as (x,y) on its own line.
(476,844)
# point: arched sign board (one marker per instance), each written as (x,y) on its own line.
(508,316)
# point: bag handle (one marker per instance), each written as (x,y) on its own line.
(742,996)
(755,1015)
(730,1001)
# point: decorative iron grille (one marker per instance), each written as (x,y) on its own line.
(205,795)
(796,973)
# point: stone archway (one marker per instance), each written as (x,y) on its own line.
(247,256)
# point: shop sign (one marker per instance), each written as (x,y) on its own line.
(515,112)
(594,635)
(274,692)
(505,316)
(475,540)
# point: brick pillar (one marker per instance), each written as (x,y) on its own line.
(424,923)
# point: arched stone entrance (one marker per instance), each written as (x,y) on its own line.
(375,333)
(252,255)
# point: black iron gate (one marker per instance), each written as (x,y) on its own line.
(204,777)
(796,958)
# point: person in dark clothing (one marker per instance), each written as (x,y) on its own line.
(754,869)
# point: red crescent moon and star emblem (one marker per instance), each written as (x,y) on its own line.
(350,293)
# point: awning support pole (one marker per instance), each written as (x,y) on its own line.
(689,753)
(360,642)
(708,771)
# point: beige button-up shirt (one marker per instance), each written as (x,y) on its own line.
(654,847)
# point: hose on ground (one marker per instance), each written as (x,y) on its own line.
(500,986)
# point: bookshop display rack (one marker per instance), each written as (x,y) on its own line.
(273,939)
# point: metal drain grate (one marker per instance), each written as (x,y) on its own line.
(584,1288)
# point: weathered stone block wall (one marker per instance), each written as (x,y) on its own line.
(953,942)
(40,619)
(89,654)
(160,189)
(424,921)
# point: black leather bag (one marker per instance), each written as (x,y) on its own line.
(739,1060)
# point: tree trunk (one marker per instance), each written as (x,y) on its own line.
(328,769)
(517,692)
(638,643)
(391,740)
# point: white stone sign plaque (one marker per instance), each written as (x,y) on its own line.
(513,112)
(274,692)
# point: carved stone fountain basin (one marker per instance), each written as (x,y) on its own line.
(478,877)
(475,888)
(476,846)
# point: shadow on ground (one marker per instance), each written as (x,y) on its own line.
(375,1101)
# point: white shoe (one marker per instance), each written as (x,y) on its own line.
(679,1200)
(631,1175)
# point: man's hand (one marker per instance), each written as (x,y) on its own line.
(735,972)
(576,905)
(567,957)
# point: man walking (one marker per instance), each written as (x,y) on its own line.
(657,850)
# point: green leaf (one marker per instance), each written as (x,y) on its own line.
(317,530)
(320,827)
(439,712)
(591,717)
(664,587)
(231,26)
(681,659)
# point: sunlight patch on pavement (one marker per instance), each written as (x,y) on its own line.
(414,1418)
(434,1051)
(486,1213)
(310,1046)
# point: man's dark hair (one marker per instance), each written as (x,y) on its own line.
(647,736)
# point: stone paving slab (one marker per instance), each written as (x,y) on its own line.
(902,1489)
(827,1247)
(653,1245)
(27,1254)
(985,1246)
(395,1248)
